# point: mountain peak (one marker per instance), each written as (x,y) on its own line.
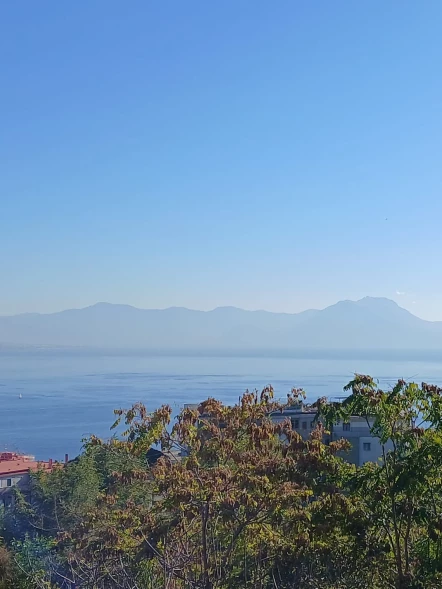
(226,308)
(377,301)
(106,307)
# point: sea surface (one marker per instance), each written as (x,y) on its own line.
(51,399)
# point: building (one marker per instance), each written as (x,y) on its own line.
(14,472)
(364,446)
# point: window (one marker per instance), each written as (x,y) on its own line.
(304,425)
(296,423)
(346,427)
(9,482)
(366,446)
(312,424)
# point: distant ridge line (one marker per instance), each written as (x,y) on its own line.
(368,323)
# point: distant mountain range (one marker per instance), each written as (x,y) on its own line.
(367,324)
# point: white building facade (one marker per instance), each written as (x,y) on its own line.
(364,446)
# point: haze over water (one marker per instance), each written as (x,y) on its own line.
(67,395)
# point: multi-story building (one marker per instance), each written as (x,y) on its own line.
(364,446)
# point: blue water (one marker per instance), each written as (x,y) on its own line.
(67,396)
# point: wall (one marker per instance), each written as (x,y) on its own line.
(14,479)
(357,433)
(375,452)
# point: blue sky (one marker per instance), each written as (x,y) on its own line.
(278,155)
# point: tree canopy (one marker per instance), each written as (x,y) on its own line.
(235,498)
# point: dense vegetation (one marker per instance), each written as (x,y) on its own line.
(248,504)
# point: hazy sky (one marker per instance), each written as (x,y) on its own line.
(277,155)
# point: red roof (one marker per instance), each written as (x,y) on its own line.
(11,464)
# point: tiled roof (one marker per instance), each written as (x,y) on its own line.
(21,464)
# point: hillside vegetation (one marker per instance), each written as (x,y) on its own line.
(248,503)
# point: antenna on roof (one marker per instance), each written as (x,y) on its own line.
(414,376)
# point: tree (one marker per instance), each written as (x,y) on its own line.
(402,494)
(243,500)
(239,499)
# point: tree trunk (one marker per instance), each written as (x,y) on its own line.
(205,556)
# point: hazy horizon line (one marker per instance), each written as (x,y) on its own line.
(311,353)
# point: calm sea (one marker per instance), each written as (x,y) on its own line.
(50,400)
